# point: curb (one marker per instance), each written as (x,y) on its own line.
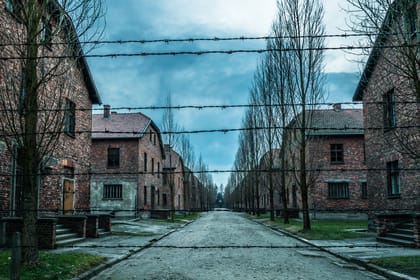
(371,267)
(107,264)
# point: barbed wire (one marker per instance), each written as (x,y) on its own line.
(210,39)
(208,52)
(133,134)
(355,106)
(274,170)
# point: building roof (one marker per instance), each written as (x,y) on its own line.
(123,126)
(337,122)
(374,55)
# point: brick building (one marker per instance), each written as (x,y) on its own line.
(64,184)
(173,181)
(336,171)
(191,184)
(392,117)
(270,166)
(127,163)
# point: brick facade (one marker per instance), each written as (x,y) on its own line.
(174,175)
(392,138)
(70,155)
(139,171)
(335,184)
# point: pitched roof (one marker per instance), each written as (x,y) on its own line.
(337,122)
(172,158)
(123,126)
(375,53)
(120,126)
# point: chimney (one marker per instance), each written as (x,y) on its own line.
(107,111)
(337,107)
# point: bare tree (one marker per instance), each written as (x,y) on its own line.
(169,124)
(266,99)
(391,27)
(42,43)
(281,92)
(303,23)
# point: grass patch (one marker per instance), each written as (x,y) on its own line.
(52,266)
(409,265)
(325,229)
(182,218)
(190,216)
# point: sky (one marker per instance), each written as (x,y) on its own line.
(215,79)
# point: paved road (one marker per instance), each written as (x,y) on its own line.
(225,245)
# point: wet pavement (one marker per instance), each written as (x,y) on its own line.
(132,237)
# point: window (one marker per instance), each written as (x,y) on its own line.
(151,136)
(145,162)
(14,7)
(164,199)
(70,118)
(46,33)
(113,191)
(145,196)
(158,197)
(411,20)
(390,119)
(113,157)
(393,178)
(337,153)
(338,190)
(363,188)
(153,166)
(154,139)
(158,169)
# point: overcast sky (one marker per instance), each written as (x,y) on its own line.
(216,79)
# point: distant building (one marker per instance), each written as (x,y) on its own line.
(173,192)
(335,165)
(127,163)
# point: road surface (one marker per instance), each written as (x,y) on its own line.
(226,245)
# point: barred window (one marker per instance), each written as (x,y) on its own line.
(338,190)
(113,191)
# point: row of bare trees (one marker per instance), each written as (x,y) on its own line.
(286,87)
(288,83)
(181,143)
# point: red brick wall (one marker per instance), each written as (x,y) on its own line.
(71,85)
(153,149)
(352,170)
(382,145)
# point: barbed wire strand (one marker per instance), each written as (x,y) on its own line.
(208,52)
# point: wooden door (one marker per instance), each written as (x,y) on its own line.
(68,197)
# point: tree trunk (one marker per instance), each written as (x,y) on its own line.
(30,160)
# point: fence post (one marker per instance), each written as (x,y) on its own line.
(16,257)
